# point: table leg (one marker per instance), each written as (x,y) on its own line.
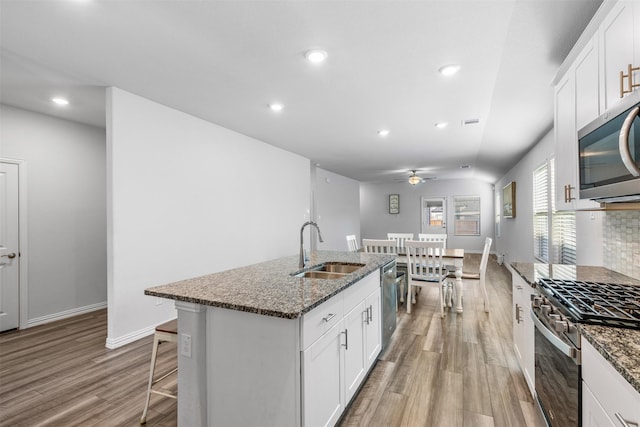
(458,287)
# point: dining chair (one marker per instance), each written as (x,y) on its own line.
(352,243)
(425,237)
(481,274)
(400,238)
(378,246)
(425,268)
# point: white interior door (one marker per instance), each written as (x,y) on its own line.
(9,251)
(434,215)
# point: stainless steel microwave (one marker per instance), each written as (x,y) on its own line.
(609,154)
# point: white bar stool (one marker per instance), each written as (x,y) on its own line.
(167,332)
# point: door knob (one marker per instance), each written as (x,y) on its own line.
(12,255)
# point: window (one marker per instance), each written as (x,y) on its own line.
(541,213)
(466,215)
(554,232)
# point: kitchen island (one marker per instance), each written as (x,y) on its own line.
(260,346)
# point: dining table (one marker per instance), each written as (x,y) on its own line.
(450,256)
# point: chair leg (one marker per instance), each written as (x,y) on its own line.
(154,353)
(408,297)
(484,294)
(441,300)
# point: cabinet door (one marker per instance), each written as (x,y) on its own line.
(373,338)
(618,49)
(587,83)
(592,413)
(354,354)
(323,392)
(566,141)
(523,329)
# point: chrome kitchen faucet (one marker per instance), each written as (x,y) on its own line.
(301,263)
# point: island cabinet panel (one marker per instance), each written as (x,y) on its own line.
(373,338)
(608,399)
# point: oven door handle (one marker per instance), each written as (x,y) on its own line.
(565,348)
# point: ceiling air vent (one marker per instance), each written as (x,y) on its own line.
(470,122)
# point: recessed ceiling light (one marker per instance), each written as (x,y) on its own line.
(276,106)
(383,132)
(449,70)
(441,125)
(316,56)
(59,101)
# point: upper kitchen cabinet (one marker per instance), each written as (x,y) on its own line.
(588,84)
(620,43)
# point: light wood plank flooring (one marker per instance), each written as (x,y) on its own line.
(456,371)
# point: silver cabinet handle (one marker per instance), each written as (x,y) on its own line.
(328,317)
(518,313)
(12,255)
(366,315)
(370,313)
(623,143)
(567,193)
(346,339)
(625,423)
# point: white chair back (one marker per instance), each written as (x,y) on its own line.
(424,266)
(378,246)
(485,259)
(400,238)
(433,238)
(352,243)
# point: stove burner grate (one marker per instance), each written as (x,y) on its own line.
(608,304)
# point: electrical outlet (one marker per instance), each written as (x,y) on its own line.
(185,347)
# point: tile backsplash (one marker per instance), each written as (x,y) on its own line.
(621,236)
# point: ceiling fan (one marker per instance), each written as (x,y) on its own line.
(414,179)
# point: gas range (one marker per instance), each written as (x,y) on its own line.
(606,304)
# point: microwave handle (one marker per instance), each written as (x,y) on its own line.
(624,143)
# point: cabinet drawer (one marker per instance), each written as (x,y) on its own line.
(355,294)
(322,318)
(611,390)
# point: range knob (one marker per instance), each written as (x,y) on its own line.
(536,301)
(555,317)
(545,309)
(562,326)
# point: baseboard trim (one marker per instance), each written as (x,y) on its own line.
(113,343)
(65,314)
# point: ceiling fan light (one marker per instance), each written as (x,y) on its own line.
(414,179)
(316,56)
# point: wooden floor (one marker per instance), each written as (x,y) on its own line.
(456,371)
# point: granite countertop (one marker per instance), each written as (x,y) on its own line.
(619,346)
(268,288)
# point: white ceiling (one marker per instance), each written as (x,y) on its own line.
(225,61)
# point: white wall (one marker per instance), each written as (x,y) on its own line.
(66,206)
(337,200)
(185,198)
(376,221)
(516,236)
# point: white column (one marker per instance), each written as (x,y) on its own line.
(192,366)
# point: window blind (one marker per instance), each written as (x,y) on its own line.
(541,213)
(563,228)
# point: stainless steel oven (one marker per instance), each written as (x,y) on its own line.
(557,368)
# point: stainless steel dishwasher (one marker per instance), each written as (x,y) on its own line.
(389,302)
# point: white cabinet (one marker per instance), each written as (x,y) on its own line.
(337,362)
(608,399)
(620,44)
(588,88)
(322,384)
(523,328)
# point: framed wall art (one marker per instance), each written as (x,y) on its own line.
(509,200)
(394,203)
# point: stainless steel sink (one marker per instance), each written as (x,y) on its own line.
(330,270)
(336,267)
(321,275)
